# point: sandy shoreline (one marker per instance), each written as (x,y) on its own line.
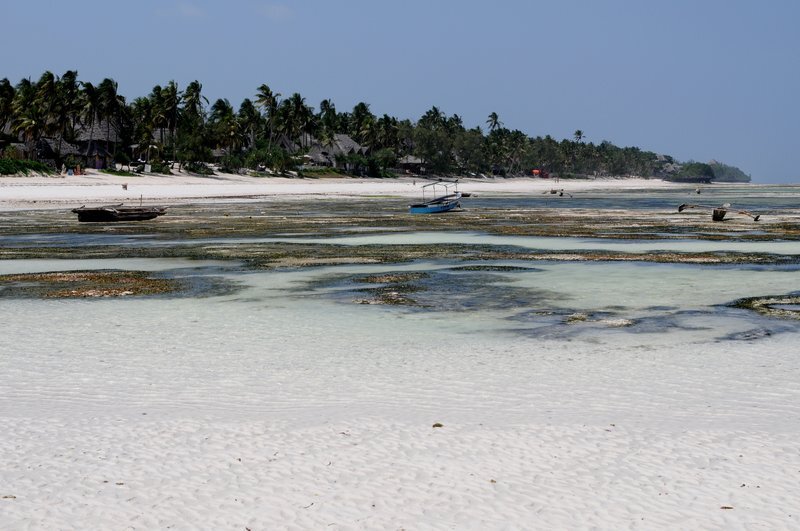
(36,192)
(380,474)
(286,406)
(261,413)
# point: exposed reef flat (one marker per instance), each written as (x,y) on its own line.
(782,306)
(249,232)
(85,284)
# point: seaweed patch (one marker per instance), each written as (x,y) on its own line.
(781,306)
(104,284)
(85,284)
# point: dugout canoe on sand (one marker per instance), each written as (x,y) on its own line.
(113,213)
(718,213)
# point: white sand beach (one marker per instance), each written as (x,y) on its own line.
(284,414)
(278,408)
(96,187)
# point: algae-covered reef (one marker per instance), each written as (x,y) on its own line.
(85,284)
(782,306)
(294,233)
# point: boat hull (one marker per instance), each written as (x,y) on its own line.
(116,214)
(433,208)
(439,204)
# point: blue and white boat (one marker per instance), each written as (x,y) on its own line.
(441,203)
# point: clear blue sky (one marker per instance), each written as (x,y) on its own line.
(696,79)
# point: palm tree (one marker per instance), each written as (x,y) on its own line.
(158,112)
(454,124)
(46,91)
(28,119)
(170,108)
(6,101)
(221,110)
(268,102)
(142,111)
(470,151)
(328,121)
(494,121)
(308,124)
(497,148)
(70,97)
(358,127)
(193,99)
(191,137)
(368,134)
(250,119)
(297,117)
(297,105)
(516,146)
(283,119)
(110,105)
(46,101)
(326,108)
(405,137)
(578,135)
(91,107)
(433,119)
(387,129)
(66,111)
(226,125)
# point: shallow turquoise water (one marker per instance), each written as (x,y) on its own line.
(768,199)
(291,343)
(575,300)
(538,342)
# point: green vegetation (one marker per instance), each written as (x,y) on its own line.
(160,166)
(86,284)
(323,172)
(783,306)
(14,166)
(199,168)
(694,172)
(120,173)
(275,135)
(729,174)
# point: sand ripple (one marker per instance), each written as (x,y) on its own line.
(372,474)
(272,414)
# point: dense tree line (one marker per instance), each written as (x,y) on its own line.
(694,172)
(270,130)
(724,172)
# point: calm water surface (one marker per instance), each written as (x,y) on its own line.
(516,332)
(620,298)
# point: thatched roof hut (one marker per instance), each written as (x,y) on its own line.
(319,156)
(344,145)
(49,148)
(411,164)
(286,144)
(102,131)
(326,154)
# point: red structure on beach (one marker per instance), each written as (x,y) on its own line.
(540,173)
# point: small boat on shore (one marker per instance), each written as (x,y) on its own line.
(718,213)
(440,203)
(113,213)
